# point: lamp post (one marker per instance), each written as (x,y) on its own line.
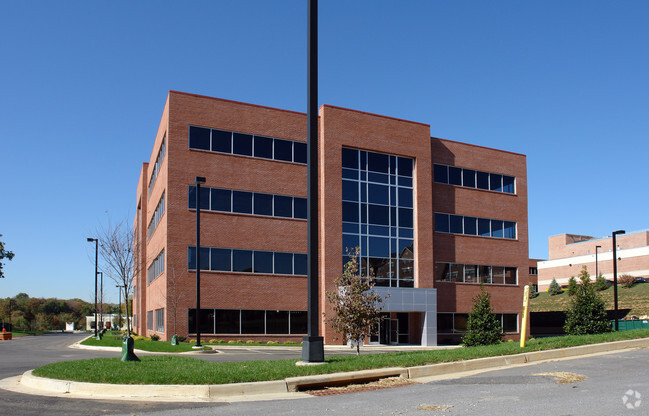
(96,241)
(198,181)
(596,264)
(615,233)
(101,299)
(119,308)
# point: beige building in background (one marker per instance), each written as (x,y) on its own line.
(568,253)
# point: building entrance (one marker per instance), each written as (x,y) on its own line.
(392,330)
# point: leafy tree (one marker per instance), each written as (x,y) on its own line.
(587,312)
(554,288)
(600,283)
(533,292)
(357,308)
(482,326)
(4,254)
(572,286)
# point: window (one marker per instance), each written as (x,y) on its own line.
(263,204)
(160,320)
(456,323)
(157,216)
(242,261)
(249,322)
(242,202)
(156,268)
(262,147)
(149,320)
(248,261)
(378,215)
(158,162)
(484,227)
(471,178)
(473,273)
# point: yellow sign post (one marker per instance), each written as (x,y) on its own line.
(526,302)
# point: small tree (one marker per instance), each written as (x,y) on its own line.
(600,283)
(357,308)
(4,254)
(534,293)
(626,280)
(572,286)
(587,312)
(554,288)
(482,326)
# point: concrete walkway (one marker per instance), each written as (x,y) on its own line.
(293,387)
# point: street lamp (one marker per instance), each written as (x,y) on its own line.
(596,264)
(119,309)
(96,241)
(615,233)
(199,180)
(101,299)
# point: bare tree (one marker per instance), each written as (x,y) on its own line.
(173,298)
(116,247)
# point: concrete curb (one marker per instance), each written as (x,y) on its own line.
(284,388)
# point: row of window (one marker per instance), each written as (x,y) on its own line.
(244,202)
(160,320)
(377,194)
(475,273)
(377,214)
(249,322)
(387,272)
(156,268)
(248,261)
(149,320)
(157,216)
(247,145)
(362,160)
(474,179)
(456,323)
(158,162)
(484,227)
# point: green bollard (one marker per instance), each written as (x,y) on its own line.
(174,340)
(127,349)
(99,336)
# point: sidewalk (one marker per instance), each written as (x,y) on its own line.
(293,387)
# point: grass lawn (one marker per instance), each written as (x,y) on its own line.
(635,298)
(186,370)
(146,345)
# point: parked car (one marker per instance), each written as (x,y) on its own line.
(640,280)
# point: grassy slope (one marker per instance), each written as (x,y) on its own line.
(145,345)
(635,298)
(186,370)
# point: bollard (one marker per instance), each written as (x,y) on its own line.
(127,349)
(174,340)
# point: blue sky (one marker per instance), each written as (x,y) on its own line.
(83,85)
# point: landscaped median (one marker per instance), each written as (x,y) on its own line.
(179,370)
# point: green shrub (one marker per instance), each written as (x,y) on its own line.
(192,341)
(587,312)
(155,337)
(272,343)
(572,286)
(213,341)
(139,338)
(482,326)
(232,341)
(533,292)
(554,288)
(250,341)
(181,338)
(626,280)
(600,283)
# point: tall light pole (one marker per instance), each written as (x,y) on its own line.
(596,263)
(119,308)
(198,181)
(313,343)
(101,299)
(96,240)
(615,233)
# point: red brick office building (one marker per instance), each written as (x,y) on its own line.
(433,219)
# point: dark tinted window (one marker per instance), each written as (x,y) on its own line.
(510,322)
(242,261)
(484,227)
(277,322)
(221,141)
(510,229)
(242,144)
(405,197)
(242,202)
(252,322)
(205,198)
(496,182)
(405,217)
(483,180)
(221,200)
(441,174)
(221,259)
(199,138)
(263,147)
(510,275)
(299,152)
(350,211)
(283,206)
(377,162)
(508,184)
(191,197)
(378,214)
(468,178)
(283,263)
(263,262)
(496,228)
(191,258)
(298,322)
(205,258)
(470,225)
(454,175)
(456,224)
(299,260)
(283,150)
(379,247)
(263,204)
(350,191)
(227,321)
(442,223)
(350,158)
(405,166)
(378,194)
(300,207)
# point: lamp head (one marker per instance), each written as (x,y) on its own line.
(619,232)
(199,180)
